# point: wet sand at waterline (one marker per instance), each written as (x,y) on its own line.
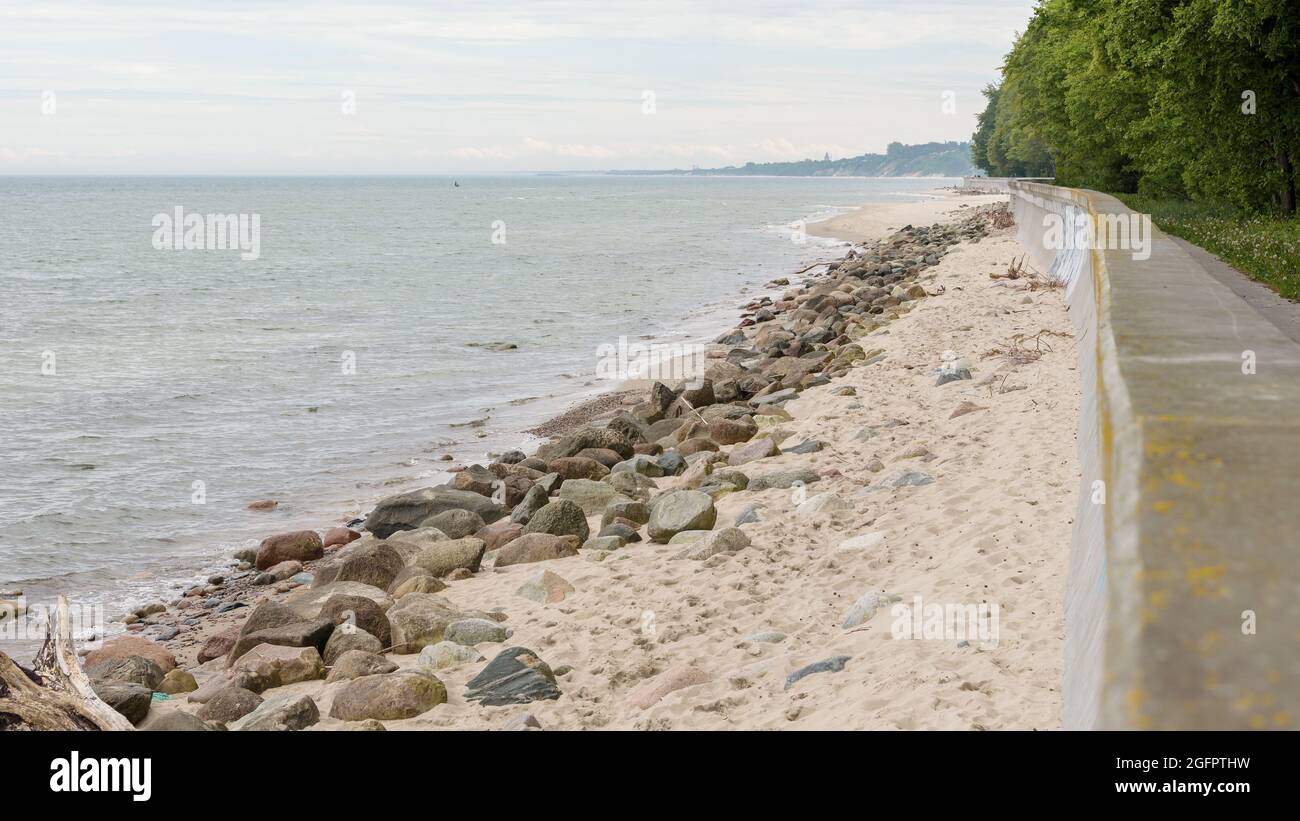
(653,640)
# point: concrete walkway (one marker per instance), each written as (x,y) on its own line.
(1281,312)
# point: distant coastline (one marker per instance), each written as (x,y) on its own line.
(949,159)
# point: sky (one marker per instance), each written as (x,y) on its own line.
(182,87)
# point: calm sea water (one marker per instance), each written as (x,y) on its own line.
(129,374)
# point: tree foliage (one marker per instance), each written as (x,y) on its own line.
(1195,99)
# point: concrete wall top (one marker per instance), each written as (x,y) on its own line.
(1197,401)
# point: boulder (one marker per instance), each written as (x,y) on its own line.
(470,632)
(269,613)
(536,547)
(312,633)
(697,444)
(229,704)
(131,700)
(605,543)
(447,654)
(279,572)
(534,500)
(348,637)
(218,645)
(784,479)
(299,545)
(410,542)
(559,518)
(752,451)
(680,510)
(308,602)
(126,645)
(374,564)
(550,482)
(388,697)
(577,467)
(515,676)
(475,479)
(457,524)
(632,485)
(358,663)
(337,536)
(418,620)
(178,681)
(415,580)
(727,540)
(342,609)
(269,665)
(621,528)
(499,533)
(604,456)
(281,714)
(643,464)
(732,431)
(587,494)
(580,440)
(622,507)
(127,670)
(662,428)
(222,680)
(405,511)
(442,558)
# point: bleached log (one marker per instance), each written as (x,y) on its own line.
(55,694)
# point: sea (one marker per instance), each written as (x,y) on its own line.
(174,348)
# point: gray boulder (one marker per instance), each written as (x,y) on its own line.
(406,511)
(420,619)
(559,518)
(388,697)
(457,524)
(130,699)
(358,663)
(281,714)
(442,558)
(127,670)
(680,510)
(230,704)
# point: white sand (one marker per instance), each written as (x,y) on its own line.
(993,527)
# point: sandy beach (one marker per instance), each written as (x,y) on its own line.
(883,495)
(873,222)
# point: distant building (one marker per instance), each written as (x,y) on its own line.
(827,157)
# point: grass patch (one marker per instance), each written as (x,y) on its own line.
(1265,248)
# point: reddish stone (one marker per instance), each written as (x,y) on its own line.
(124,646)
(218,645)
(499,533)
(300,545)
(336,536)
(263,504)
(579,467)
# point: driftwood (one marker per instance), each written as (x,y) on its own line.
(55,694)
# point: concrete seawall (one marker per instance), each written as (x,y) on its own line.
(996,185)
(1183,594)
